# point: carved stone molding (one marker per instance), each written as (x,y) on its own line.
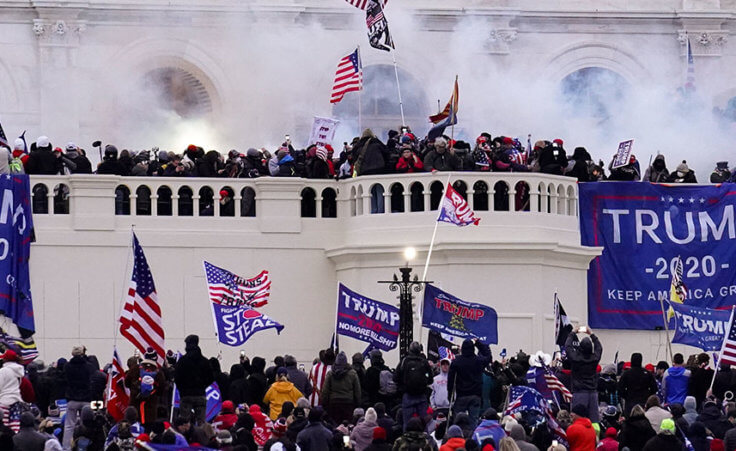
(499,40)
(702,42)
(60,32)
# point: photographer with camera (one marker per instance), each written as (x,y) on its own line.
(584,355)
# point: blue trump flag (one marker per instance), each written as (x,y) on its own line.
(366,319)
(448,314)
(643,228)
(236,324)
(16,225)
(700,327)
(214,400)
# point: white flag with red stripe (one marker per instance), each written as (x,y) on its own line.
(140,321)
(117,395)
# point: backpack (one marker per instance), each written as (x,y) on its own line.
(415,375)
(386,383)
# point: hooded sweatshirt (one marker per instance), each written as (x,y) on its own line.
(657,172)
(584,358)
(466,371)
(278,394)
(675,385)
(342,384)
(362,435)
(519,435)
(10,375)
(636,384)
(193,373)
(691,413)
(581,435)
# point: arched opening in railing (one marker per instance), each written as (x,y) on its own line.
(206,201)
(461,187)
(521,196)
(143,201)
(163,201)
(122,200)
(397,198)
(248,202)
(309,203)
(61,199)
(227,202)
(501,196)
(359,200)
(353,202)
(186,202)
(40,195)
(543,198)
(436,190)
(329,203)
(572,205)
(377,200)
(561,200)
(480,196)
(417,196)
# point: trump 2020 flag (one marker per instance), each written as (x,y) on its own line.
(455,209)
(699,327)
(366,319)
(448,314)
(236,324)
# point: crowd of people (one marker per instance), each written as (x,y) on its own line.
(402,152)
(460,401)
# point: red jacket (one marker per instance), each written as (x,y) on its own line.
(403,165)
(581,435)
(608,444)
(453,444)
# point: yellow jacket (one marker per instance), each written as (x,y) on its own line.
(278,394)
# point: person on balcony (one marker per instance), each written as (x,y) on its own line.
(409,162)
(628,173)
(80,162)
(370,154)
(316,166)
(110,164)
(441,159)
(657,172)
(509,159)
(683,174)
(209,164)
(552,158)
(481,157)
(581,162)
(176,168)
(42,160)
(253,166)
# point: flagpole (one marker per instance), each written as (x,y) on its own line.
(720,353)
(666,328)
(434,233)
(360,94)
(337,310)
(398,85)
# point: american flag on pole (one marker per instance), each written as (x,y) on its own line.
(363,4)
(140,321)
(728,348)
(226,288)
(117,395)
(349,76)
(554,384)
(526,399)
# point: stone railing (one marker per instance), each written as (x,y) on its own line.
(98,202)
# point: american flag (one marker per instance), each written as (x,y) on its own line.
(445,353)
(523,399)
(117,395)
(554,384)
(140,321)
(728,348)
(226,288)
(349,76)
(11,416)
(363,4)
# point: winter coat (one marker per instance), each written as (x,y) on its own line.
(657,172)
(317,169)
(452,444)
(687,177)
(193,373)
(10,376)
(712,417)
(278,394)
(341,385)
(729,440)
(655,415)
(552,160)
(445,161)
(78,376)
(29,439)
(720,175)
(286,167)
(635,386)
(698,437)
(663,442)
(413,440)
(675,385)
(519,435)
(300,380)
(580,158)
(489,428)
(149,402)
(635,432)
(372,380)
(400,370)
(42,161)
(691,414)
(379,445)
(700,379)
(409,165)
(362,434)
(725,380)
(370,156)
(314,437)
(439,397)
(466,371)
(113,167)
(607,444)
(584,363)
(581,435)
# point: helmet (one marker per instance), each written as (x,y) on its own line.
(111,152)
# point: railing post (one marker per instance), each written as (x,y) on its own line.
(92,201)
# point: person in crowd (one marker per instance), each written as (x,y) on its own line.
(298,377)
(439,398)
(725,380)
(257,383)
(636,430)
(362,434)
(609,442)
(280,392)
(28,438)
(729,439)
(552,158)
(721,173)
(413,376)
(630,172)
(78,162)
(370,154)
(713,418)
(341,391)
(665,440)
(700,378)
(465,378)
(657,172)
(636,384)
(110,165)
(146,382)
(683,174)
(581,163)
(675,381)
(193,374)
(584,356)
(580,434)
(78,373)
(489,427)
(454,439)
(655,413)
(41,159)
(409,162)
(441,158)
(315,436)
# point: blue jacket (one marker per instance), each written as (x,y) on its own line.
(675,383)
(489,428)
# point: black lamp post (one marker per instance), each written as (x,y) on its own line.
(406,311)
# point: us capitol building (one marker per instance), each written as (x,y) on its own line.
(124,71)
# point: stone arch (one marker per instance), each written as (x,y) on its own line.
(585,54)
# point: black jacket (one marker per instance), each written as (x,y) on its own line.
(583,362)
(193,373)
(635,386)
(414,389)
(110,167)
(663,442)
(712,417)
(78,374)
(466,371)
(635,432)
(435,161)
(42,162)
(552,160)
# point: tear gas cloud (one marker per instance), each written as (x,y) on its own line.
(281,79)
